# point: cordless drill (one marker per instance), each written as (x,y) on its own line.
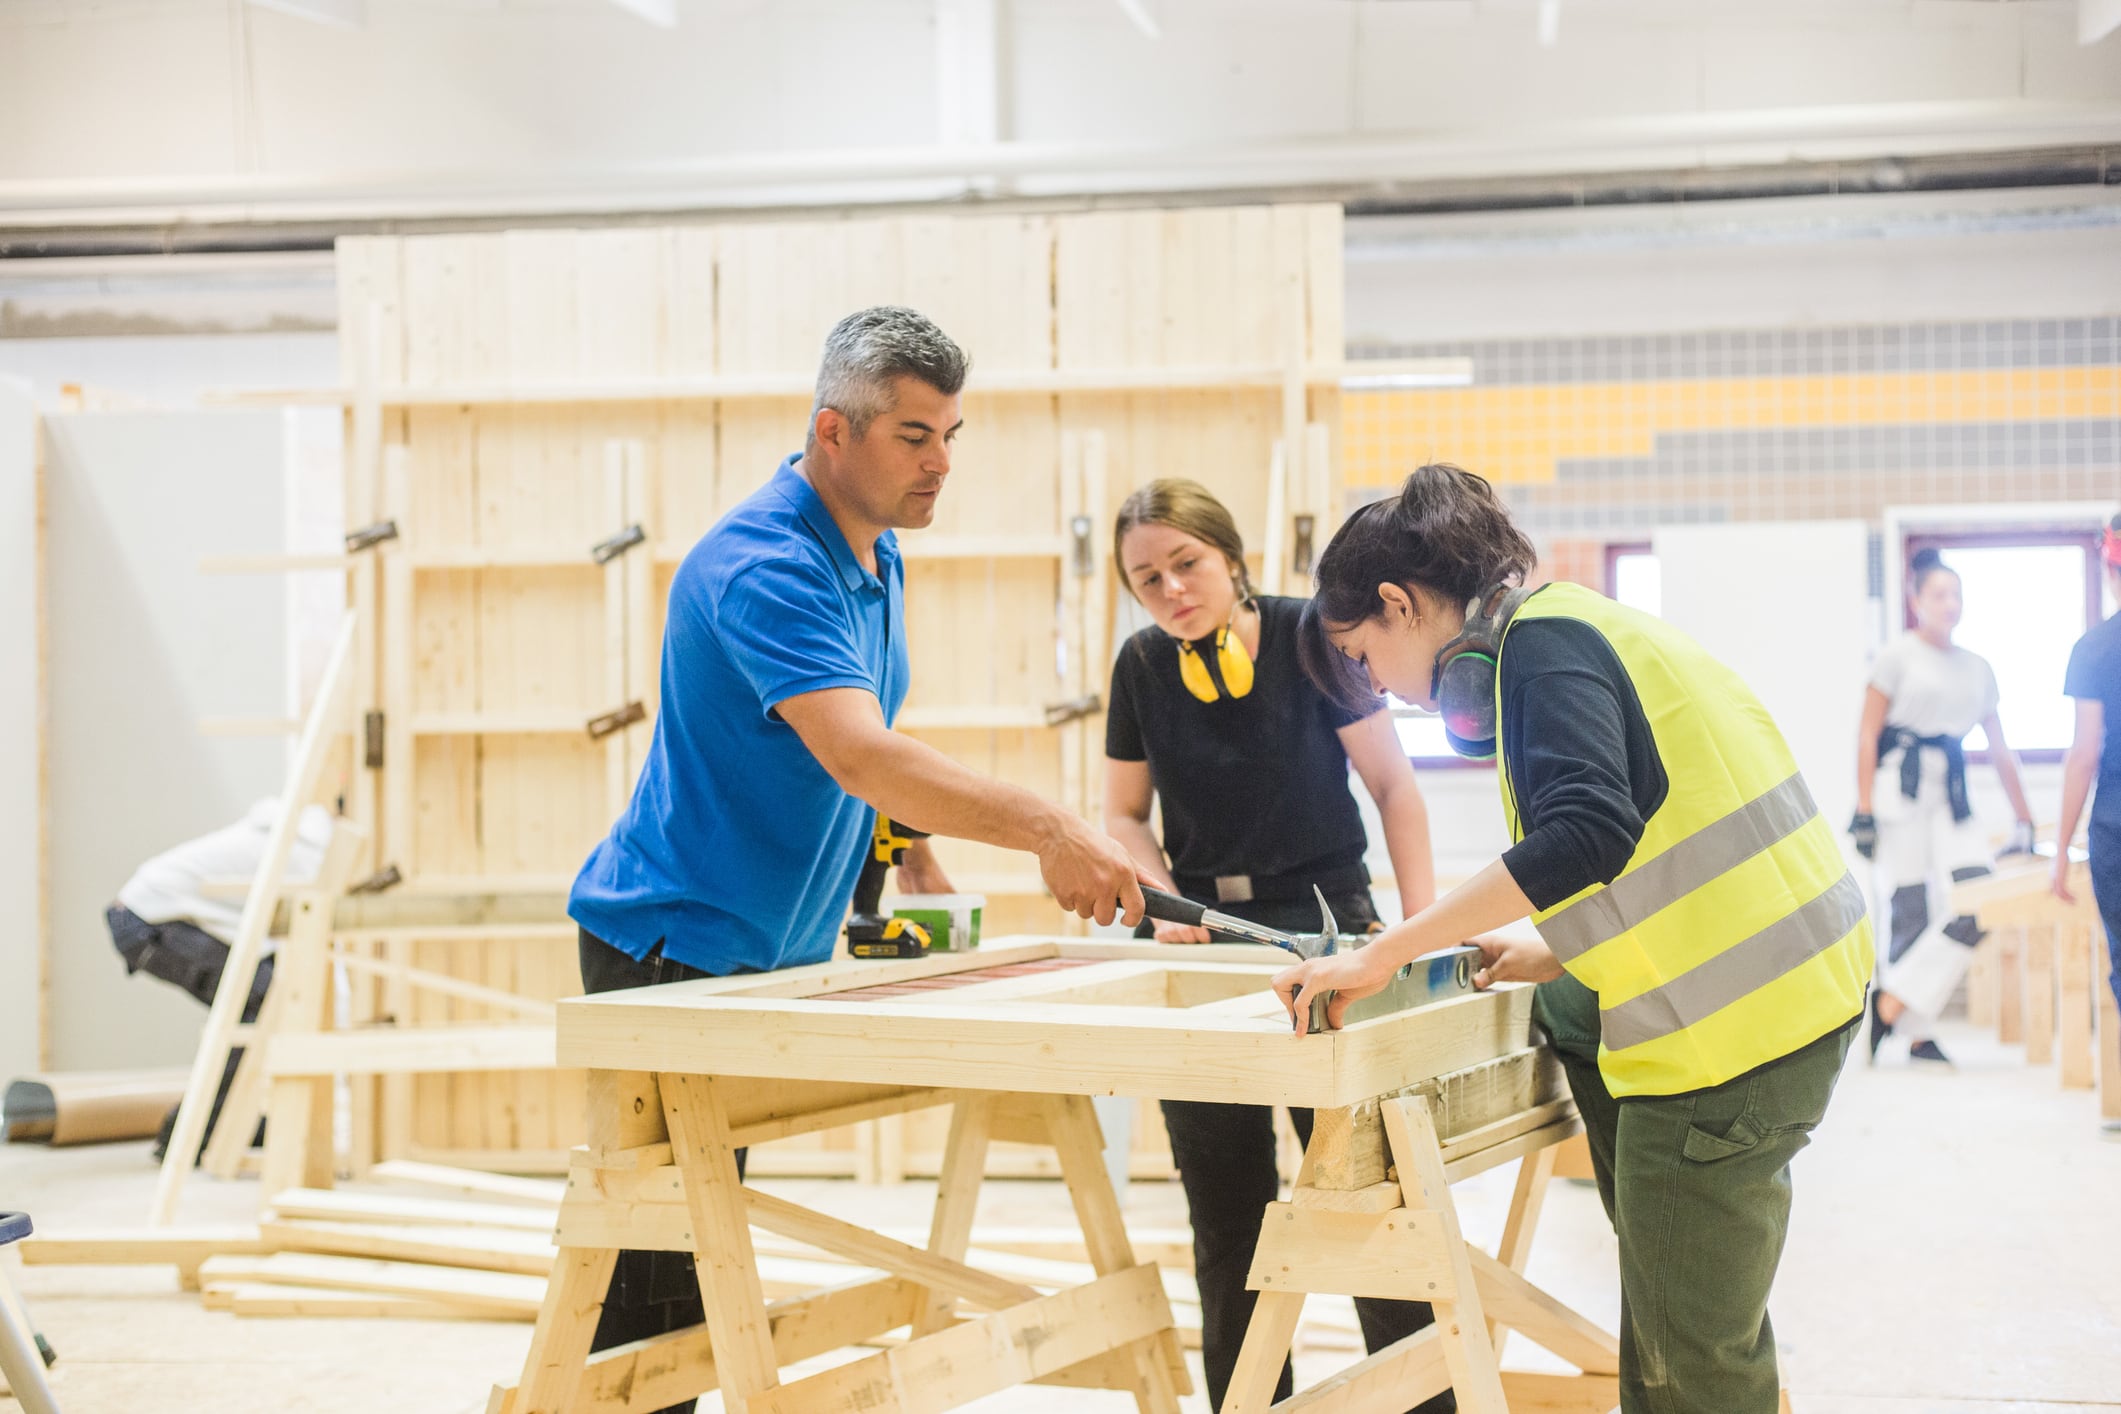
(869,933)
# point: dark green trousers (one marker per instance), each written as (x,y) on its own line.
(1698,1190)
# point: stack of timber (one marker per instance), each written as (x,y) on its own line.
(427,1242)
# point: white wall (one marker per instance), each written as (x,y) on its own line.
(21,694)
(171,371)
(1734,265)
(142,647)
(574,103)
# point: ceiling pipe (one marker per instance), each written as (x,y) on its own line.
(863,176)
(2088,171)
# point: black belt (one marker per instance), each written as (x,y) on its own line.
(1270,888)
(1911,748)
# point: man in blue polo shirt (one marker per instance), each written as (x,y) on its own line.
(784,664)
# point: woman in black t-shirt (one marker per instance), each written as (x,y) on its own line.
(1212,714)
(2094,679)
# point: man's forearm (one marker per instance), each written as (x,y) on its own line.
(917,785)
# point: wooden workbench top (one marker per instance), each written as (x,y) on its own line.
(1042,1015)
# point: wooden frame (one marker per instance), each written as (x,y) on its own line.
(682,1075)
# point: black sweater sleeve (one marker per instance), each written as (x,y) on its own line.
(1582,761)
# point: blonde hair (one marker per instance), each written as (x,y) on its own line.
(1187,507)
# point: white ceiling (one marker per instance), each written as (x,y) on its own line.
(130,110)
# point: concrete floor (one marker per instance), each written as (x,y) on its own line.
(1957,1248)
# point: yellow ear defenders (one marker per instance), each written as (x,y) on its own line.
(1231,660)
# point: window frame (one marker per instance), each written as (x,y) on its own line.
(1913,542)
(1617,550)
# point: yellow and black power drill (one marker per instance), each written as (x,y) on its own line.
(870,933)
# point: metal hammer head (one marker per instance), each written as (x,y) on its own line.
(1328,940)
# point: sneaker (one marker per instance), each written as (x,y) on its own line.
(1880,1028)
(1928,1051)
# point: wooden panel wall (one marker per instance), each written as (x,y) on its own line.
(517,397)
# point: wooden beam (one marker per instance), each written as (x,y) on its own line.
(1476,1108)
(1054,1048)
(493,1293)
(483,1248)
(1397,1255)
(987,1356)
(715,1197)
(1396,1378)
(1512,1301)
(142,1246)
(873,1249)
(414,1050)
(265,1298)
(342,1205)
(1461,1320)
(248,948)
(469,1182)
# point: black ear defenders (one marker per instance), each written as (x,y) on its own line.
(1462,684)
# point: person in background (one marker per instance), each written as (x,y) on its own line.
(1702,949)
(169,923)
(1210,712)
(1925,694)
(2094,679)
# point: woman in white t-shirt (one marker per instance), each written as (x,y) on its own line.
(1925,695)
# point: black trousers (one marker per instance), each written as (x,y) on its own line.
(1225,1158)
(652,1293)
(187,957)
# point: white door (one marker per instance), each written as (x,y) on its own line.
(1786,605)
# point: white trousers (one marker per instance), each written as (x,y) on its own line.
(1923,950)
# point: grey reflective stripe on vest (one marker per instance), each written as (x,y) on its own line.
(1736,972)
(1708,853)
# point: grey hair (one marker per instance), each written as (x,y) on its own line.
(869,348)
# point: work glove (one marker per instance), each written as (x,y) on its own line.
(2020,842)
(1864,831)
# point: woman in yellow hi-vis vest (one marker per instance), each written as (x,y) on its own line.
(1703,949)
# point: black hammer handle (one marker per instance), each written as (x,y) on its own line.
(1170,908)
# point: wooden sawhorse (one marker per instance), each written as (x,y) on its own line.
(660,1174)
(1017,1036)
(1371,1215)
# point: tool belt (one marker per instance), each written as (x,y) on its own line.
(1911,748)
(1270,888)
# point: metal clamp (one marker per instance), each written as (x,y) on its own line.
(1082,559)
(384,878)
(1301,554)
(615,720)
(370,536)
(372,740)
(1059,714)
(605,551)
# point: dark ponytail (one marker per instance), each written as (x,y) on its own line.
(1928,561)
(1446,532)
